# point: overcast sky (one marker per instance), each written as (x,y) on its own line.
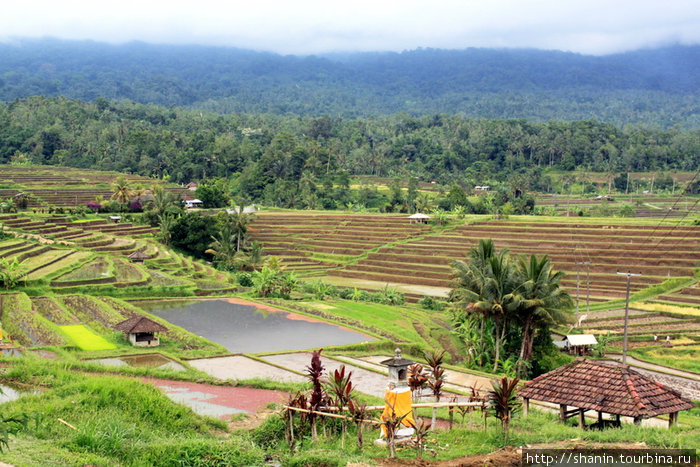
(318,26)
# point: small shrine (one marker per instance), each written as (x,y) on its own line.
(397,397)
(398,369)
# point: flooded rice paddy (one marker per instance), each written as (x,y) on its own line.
(154,360)
(244,328)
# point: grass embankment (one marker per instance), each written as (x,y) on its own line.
(683,358)
(122,421)
(407,326)
(119,421)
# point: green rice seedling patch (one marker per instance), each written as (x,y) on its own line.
(53,311)
(61,266)
(99,268)
(84,338)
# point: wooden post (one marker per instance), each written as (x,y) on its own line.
(562,413)
(638,421)
(452,415)
(291,428)
(600,417)
(581,419)
(672,419)
(526,406)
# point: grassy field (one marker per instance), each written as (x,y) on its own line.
(85,338)
(683,358)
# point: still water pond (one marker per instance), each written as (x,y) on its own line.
(247,329)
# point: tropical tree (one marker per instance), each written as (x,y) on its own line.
(237,221)
(223,247)
(485,285)
(541,302)
(122,191)
(11,273)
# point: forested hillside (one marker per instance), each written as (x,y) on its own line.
(652,87)
(292,161)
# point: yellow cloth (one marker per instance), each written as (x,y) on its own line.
(400,400)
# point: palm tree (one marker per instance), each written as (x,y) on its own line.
(485,286)
(122,191)
(163,199)
(540,301)
(223,246)
(238,222)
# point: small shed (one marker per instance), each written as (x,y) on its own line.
(192,186)
(606,388)
(137,257)
(193,203)
(141,331)
(580,344)
(115,219)
(418,218)
(398,368)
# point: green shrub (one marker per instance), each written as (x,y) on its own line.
(244,279)
(270,433)
(429,303)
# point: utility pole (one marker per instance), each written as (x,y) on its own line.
(588,284)
(627,310)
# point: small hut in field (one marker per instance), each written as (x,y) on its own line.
(141,331)
(418,218)
(580,344)
(137,257)
(606,388)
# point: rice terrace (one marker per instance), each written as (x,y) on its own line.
(214,352)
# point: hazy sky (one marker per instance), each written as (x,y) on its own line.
(317,26)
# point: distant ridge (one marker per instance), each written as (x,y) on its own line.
(653,87)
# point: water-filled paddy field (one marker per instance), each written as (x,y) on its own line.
(249,329)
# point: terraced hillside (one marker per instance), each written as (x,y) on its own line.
(74,255)
(646,206)
(643,325)
(316,242)
(65,187)
(655,252)
(388,249)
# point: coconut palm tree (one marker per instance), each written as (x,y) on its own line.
(223,246)
(540,301)
(485,286)
(122,191)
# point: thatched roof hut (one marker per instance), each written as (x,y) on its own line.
(141,331)
(607,388)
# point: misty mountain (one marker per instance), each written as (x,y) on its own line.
(651,87)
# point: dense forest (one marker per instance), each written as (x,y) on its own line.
(655,88)
(290,160)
